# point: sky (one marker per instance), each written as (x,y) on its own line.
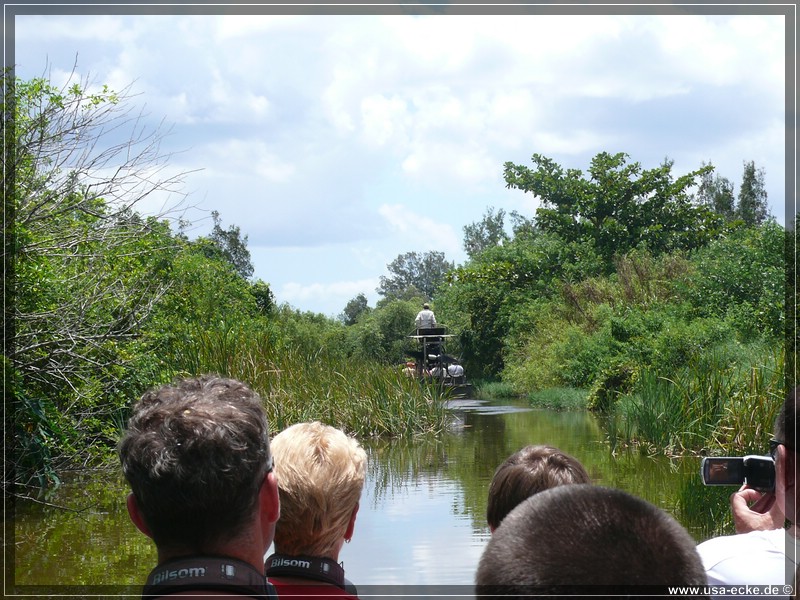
(338,142)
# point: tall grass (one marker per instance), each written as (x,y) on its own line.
(723,403)
(487,390)
(559,399)
(365,399)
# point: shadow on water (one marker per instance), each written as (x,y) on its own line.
(422,515)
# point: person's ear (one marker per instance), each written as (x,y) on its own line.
(268,499)
(351,525)
(790,466)
(136,515)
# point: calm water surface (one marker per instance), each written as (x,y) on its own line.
(422,515)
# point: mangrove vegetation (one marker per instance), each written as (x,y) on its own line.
(658,300)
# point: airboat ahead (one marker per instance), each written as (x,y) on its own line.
(431,363)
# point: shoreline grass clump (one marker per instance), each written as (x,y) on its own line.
(717,405)
(487,390)
(559,398)
(366,399)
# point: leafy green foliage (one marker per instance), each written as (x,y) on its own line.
(487,233)
(716,192)
(421,273)
(265,299)
(618,285)
(382,334)
(752,207)
(83,269)
(232,246)
(740,277)
(619,206)
(354,309)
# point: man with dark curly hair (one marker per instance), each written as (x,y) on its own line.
(197,457)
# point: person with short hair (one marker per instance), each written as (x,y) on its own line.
(425,318)
(196,454)
(321,473)
(587,540)
(762,552)
(526,472)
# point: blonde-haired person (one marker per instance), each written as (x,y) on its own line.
(320,473)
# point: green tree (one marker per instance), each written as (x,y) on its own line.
(741,277)
(424,272)
(382,333)
(232,245)
(752,207)
(265,299)
(487,233)
(618,207)
(354,309)
(716,192)
(83,269)
(483,297)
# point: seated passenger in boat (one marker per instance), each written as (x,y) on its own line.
(527,472)
(320,472)
(586,540)
(456,373)
(410,369)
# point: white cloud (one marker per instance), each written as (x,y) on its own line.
(231,27)
(233,158)
(722,50)
(384,120)
(100,28)
(431,231)
(570,142)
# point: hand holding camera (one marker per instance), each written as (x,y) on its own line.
(753,507)
(755,511)
(757,472)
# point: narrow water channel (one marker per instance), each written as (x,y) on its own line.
(422,515)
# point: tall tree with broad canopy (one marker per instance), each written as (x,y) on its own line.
(618,206)
(424,272)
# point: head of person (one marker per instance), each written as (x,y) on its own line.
(426,306)
(527,472)
(321,473)
(784,452)
(582,538)
(197,457)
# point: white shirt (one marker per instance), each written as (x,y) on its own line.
(455,370)
(425,319)
(758,558)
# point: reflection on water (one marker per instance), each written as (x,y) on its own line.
(422,518)
(422,515)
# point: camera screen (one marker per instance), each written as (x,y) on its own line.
(723,471)
(757,471)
